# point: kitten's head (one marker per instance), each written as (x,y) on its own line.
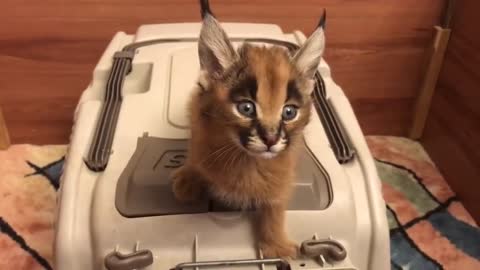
(260,95)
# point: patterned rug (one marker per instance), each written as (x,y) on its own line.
(429,227)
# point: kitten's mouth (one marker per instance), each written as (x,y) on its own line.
(266,154)
(258,150)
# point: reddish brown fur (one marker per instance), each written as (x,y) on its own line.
(216,162)
(272,70)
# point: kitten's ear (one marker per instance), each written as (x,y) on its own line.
(214,49)
(308,56)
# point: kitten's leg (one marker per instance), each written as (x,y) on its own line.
(271,229)
(187,183)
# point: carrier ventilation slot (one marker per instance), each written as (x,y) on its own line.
(101,146)
(336,136)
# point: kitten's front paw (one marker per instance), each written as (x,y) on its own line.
(186,185)
(279,249)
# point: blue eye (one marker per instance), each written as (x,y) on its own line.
(246,108)
(289,112)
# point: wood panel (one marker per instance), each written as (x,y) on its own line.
(49,48)
(453,128)
(4,136)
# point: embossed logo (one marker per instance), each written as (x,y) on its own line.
(172,159)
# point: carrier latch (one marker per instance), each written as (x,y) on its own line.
(324,250)
(136,260)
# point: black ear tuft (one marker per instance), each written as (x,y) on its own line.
(310,53)
(323,20)
(205,9)
(215,50)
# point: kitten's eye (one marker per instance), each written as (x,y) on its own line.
(289,112)
(246,108)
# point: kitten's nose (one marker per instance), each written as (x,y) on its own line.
(271,139)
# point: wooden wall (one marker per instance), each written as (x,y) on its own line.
(48,49)
(452,134)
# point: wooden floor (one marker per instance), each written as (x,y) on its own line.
(48,50)
(452,134)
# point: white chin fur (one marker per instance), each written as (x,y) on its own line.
(257,148)
(268,155)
